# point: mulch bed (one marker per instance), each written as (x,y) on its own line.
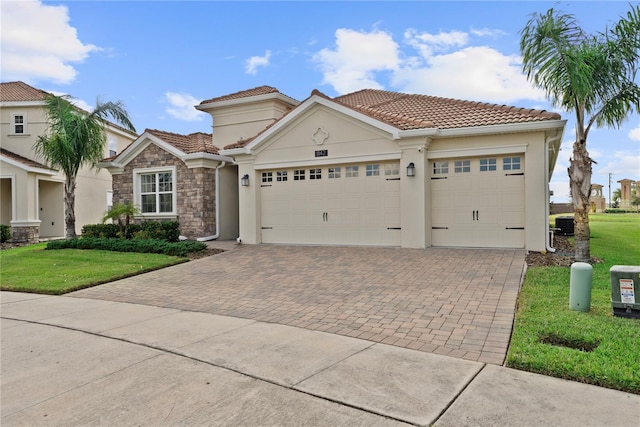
(562,257)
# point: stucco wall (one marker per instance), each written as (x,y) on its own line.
(195,191)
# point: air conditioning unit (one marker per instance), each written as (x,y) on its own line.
(564,224)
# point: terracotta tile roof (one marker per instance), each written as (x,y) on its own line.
(23,160)
(197,142)
(20,91)
(260,90)
(407,111)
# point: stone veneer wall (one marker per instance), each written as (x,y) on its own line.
(28,234)
(195,190)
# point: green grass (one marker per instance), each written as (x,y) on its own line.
(34,269)
(544,313)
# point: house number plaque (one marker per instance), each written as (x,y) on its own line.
(322,153)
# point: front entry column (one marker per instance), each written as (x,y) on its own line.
(414,201)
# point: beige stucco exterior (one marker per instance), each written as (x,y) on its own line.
(353,138)
(35,194)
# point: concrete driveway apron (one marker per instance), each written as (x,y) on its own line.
(455,302)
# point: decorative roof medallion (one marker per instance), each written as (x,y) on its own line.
(320,136)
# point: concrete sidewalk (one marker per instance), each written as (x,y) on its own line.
(74,361)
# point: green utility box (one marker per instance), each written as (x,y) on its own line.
(625,291)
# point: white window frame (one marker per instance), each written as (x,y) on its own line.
(440,168)
(392,169)
(281,176)
(372,170)
(334,172)
(137,191)
(351,171)
(14,124)
(462,166)
(489,165)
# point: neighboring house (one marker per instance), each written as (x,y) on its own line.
(628,189)
(32,196)
(379,168)
(179,178)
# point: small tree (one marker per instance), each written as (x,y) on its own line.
(76,139)
(591,75)
(122,213)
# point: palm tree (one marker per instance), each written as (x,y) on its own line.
(616,197)
(591,75)
(75,139)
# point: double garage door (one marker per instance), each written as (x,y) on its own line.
(478,202)
(475,202)
(346,204)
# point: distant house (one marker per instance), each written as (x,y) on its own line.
(597,201)
(182,178)
(379,168)
(32,197)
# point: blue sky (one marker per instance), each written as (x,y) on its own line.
(162,57)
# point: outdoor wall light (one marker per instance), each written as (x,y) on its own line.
(411,169)
(244,181)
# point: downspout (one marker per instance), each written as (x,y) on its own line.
(547,233)
(215,236)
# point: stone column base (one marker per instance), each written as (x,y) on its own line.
(25,234)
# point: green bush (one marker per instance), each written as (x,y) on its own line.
(614,211)
(5,233)
(124,245)
(159,230)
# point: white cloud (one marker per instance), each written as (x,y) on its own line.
(38,43)
(560,191)
(254,62)
(623,164)
(634,134)
(182,107)
(487,32)
(435,64)
(356,58)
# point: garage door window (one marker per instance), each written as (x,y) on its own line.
(462,166)
(298,175)
(281,176)
(392,169)
(315,173)
(351,171)
(487,165)
(440,168)
(373,170)
(334,173)
(511,164)
(267,176)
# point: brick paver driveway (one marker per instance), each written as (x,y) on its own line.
(458,302)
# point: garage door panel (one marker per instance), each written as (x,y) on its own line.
(353,210)
(480,205)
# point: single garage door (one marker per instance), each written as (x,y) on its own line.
(478,202)
(346,204)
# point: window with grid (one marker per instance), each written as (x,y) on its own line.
(156,192)
(351,171)
(298,175)
(267,177)
(462,166)
(511,163)
(440,168)
(373,170)
(18,124)
(315,173)
(392,169)
(334,173)
(281,176)
(487,165)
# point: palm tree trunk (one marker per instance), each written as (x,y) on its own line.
(69,207)
(580,182)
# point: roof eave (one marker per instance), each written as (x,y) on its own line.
(541,125)
(239,101)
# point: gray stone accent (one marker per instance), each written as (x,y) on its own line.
(26,234)
(195,190)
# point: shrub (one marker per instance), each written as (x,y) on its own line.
(159,230)
(617,210)
(124,245)
(5,233)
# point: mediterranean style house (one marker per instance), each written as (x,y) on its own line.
(380,168)
(178,178)
(628,189)
(32,197)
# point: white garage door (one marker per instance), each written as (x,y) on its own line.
(348,204)
(478,202)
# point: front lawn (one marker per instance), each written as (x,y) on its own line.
(34,269)
(592,347)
